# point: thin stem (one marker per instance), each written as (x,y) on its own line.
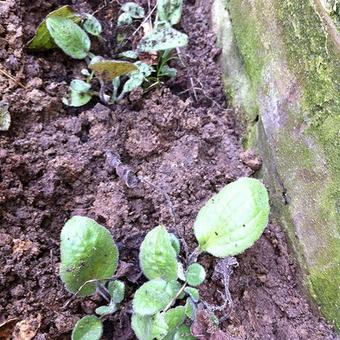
(175,298)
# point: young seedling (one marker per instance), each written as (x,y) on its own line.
(89,259)
(229,223)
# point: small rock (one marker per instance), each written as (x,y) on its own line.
(251,160)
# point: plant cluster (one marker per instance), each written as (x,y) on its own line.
(71,31)
(165,306)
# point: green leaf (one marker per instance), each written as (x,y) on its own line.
(5,117)
(129,55)
(88,328)
(174,317)
(167,71)
(69,37)
(76,99)
(159,327)
(135,11)
(92,26)
(169,10)
(157,257)
(42,39)
(193,293)
(154,295)
(110,69)
(162,38)
(195,274)
(184,333)
(124,19)
(190,309)
(117,291)
(149,327)
(232,220)
(175,243)
(180,271)
(106,310)
(87,252)
(80,86)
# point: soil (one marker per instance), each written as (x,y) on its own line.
(180,138)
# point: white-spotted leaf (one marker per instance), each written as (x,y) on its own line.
(162,38)
(88,328)
(195,274)
(69,37)
(124,19)
(169,10)
(153,296)
(135,11)
(88,252)
(92,26)
(232,220)
(157,257)
(129,55)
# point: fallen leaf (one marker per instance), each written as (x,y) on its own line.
(6,329)
(27,329)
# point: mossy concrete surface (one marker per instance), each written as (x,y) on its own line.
(281,68)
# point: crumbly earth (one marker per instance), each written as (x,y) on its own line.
(181,139)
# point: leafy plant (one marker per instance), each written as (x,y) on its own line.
(69,31)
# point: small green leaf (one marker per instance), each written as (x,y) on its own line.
(162,38)
(69,37)
(175,243)
(85,72)
(117,291)
(174,317)
(167,71)
(232,220)
(180,271)
(135,11)
(110,69)
(169,10)
(193,293)
(5,117)
(92,26)
(159,327)
(195,274)
(42,39)
(157,256)
(76,99)
(183,333)
(190,309)
(87,252)
(80,86)
(88,328)
(149,327)
(124,19)
(129,55)
(154,295)
(106,310)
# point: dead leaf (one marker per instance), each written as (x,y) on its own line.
(27,329)
(6,329)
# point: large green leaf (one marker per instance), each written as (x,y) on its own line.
(42,39)
(110,69)
(87,252)
(169,10)
(69,37)
(88,328)
(163,37)
(154,295)
(157,255)
(232,220)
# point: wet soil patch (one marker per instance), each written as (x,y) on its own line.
(181,138)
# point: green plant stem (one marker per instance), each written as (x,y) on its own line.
(175,298)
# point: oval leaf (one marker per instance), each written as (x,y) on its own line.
(157,256)
(174,317)
(87,252)
(42,39)
(175,243)
(233,219)
(110,69)
(106,310)
(193,293)
(117,291)
(134,10)
(153,296)
(77,99)
(88,328)
(92,26)
(195,274)
(69,37)
(190,309)
(124,19)
(80,86)
(170,11)
(162,38)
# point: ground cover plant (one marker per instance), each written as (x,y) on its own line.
(70,31)
(164,306)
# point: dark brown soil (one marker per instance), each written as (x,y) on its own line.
(181,138)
